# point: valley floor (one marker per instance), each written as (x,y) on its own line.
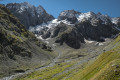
(68,63)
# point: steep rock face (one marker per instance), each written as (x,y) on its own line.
(65,34)
(54,32)
(29,15)
(95,30)
(72,25)
(69,35)
(74,35)
(19,48)
(69,15)
(91,16)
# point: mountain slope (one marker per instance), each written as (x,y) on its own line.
(93,32)
(19,49)
(83,37)
(106,67)
(70,15)
(29,15)
(88,26)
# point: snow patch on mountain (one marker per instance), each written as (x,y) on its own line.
(88,41)
(48,25)
(20,10)
(91,15)
(115,20)
(85,16)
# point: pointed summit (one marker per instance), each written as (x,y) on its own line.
(28,14)
(69,15)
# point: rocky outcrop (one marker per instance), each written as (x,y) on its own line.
(96,30)
(69,15)
(54,32)
(65,34)
(71,36)
(29,15)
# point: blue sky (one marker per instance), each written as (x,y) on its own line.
(54,7)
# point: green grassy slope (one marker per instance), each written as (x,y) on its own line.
(48,73)
(106,67)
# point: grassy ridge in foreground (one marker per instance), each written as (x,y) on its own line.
(106,67)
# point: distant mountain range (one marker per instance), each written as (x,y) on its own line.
(30,15)
(74,27)
(70,25)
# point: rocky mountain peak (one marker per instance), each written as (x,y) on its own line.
(25,3)
(75,16)
(91,13)
(88,15)
(99,13)
(70,23)
(28,14)
(78,25)
(69,15)
(40,9)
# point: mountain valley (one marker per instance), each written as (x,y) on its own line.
(75,46)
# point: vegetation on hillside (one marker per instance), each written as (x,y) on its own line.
(19,48)
(105,67)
